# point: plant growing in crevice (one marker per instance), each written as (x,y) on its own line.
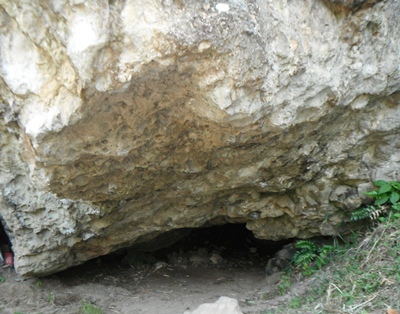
(386,205)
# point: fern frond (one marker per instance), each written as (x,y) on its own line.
(302,258)
(327,249)
(372,212)
(306,245)
(324,255)
(361,213)
(321,261)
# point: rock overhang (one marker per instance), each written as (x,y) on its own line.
(202,115)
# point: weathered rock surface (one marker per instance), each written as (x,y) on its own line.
(122,120)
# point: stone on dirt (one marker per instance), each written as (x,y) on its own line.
(281,259)
(224,305)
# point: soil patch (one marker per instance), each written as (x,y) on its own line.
(207,264)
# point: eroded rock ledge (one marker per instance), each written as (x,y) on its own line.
(122,120)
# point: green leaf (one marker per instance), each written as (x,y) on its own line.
(380,183)
(372,194)
(385,188)
(394,197)
(306,245)
(396,206)
(321,261)
(361,213)
(303,258)
(395,184)
(382,200)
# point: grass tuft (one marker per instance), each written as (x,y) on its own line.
(363,279)
(89,308)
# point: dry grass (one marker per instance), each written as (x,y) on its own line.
(364,278)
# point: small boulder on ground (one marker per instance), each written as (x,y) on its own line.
(281,259)
(224,305)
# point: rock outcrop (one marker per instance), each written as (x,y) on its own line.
(123,120)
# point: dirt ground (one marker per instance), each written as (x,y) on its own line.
(171,281)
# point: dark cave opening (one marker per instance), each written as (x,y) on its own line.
(4,240)
(5,247)
(231,241)
(217,254)
(230,246)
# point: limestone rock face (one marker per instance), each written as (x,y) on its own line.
(123,120)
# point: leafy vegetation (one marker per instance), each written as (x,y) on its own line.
(361,277)
(386,205)
(285,283)
(51,298)
(89,308)
(311,257)
(364,279)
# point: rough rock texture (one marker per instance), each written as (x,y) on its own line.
(122,120)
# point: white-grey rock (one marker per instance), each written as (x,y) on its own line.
(122,120)
(346,197)
(224,305)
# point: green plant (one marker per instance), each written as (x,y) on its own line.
(386,205)
(388,192)
(284,283)
(89,308)
(310,257)
(363,276)
(2,279)
(51,297)
(372,212)
(296,302)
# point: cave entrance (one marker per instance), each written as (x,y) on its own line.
(223,245)
(189,257)
(5,247)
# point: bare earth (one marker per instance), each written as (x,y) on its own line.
(170,282)
(123,289)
